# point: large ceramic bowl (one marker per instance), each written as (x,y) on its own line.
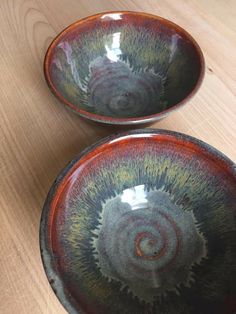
(124,67)
(143,222)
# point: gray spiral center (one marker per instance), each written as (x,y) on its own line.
(115,90)
(150,248)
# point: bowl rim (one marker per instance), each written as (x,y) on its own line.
(113,120)
(58,185)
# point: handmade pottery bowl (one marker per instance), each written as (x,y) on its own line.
(124,67)
(143,222)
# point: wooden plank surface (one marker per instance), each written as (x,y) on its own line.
(39,136)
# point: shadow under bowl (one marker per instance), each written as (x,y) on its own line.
(143,222)
(124,67)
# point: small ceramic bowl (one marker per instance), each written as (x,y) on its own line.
(124,67)
(143,222)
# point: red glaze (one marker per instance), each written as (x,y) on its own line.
(141,19)
(206,167)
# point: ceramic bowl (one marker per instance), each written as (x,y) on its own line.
(143,222)
(124,67)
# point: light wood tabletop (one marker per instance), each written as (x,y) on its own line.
(39,135)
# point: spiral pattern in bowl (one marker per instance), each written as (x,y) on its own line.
(116,89)
(148,245)
(124,68)
(143,222)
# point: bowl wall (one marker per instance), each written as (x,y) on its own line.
(143,222)
(123,65)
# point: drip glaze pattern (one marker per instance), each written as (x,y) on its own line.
(143,222)
(123,67)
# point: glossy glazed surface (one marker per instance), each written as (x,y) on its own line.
(143,223)
(123,67)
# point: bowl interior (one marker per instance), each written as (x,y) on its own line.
(124,65)
(144,223)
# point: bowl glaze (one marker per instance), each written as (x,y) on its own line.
(143,222)
(124,67)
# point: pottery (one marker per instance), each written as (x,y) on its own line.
(143,222)
(124,67)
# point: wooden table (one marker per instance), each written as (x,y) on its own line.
(39,136)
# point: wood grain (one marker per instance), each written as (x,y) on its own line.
(39,136)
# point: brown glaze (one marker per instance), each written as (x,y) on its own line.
(144,220)
(146,97)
